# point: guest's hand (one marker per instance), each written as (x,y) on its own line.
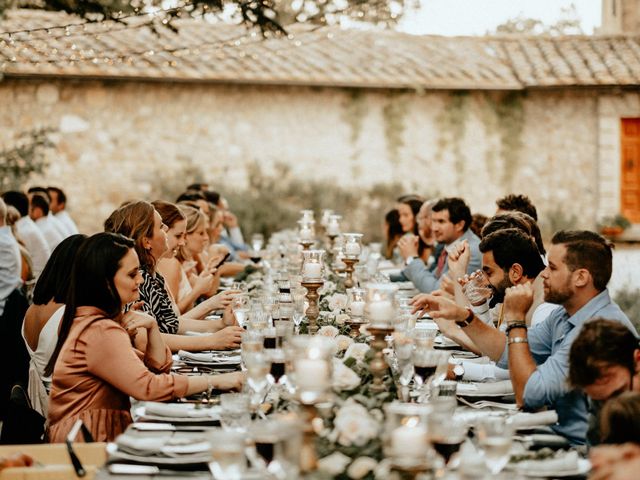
(517,302)
(438,306)
(230,220)
(228,338)
(446,285)
(203,282)
(133,320)
(16,460)
(228,318)
(408,246)
(222,300)
(458,259)
(228,381)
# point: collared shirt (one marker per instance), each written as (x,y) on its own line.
(50,232)
(425,278)
(67,222)
(58,225)
(10,268)
(35,242)
(550,342)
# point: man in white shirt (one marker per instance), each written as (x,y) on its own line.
(10,261)
(39,213)
(58,206)
(28,232)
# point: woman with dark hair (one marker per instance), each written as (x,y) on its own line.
(393,232)
(95,367)
(408,211)
(142,223)
(620,419)
(42,320)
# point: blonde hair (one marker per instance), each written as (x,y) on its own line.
(195,219)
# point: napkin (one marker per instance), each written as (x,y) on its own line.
(179,410)
(524,419)
(562,463)
(141,445)
(209,357)
(489,388)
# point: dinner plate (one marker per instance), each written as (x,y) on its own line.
(160,460)
(584,466)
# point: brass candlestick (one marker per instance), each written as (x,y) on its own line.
(313,311)
(332,241)
(354,327)
(378,365)
(349,263)
(411,472)
(308,455)
(306,244)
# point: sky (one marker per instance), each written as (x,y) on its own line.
(476,17)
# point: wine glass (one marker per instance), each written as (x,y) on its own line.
(258,366)
(494,440)
(403,348)
(257,242)
(234,412)
(430,366)
(228,459)
(447,435)
(240,308)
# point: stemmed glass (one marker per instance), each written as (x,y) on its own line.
(240,308)
(298,309)
(228,459)
(403,348)
(494,440)
(430,367)
(447,435)
(258,366)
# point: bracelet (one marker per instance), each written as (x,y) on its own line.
(467,321)
(517,340)
(511,326)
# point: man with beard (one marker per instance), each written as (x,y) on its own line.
(576,278)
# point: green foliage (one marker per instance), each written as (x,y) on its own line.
(26,157)
(393,115)
(618,220)
(568,24)
(453,125)
(353,113)
(557,219)
(628,299)
(510,114)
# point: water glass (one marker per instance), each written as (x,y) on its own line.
(478,289)
(257,242)
(240,306)
(235,414)
(424,337)
(228,461)
(258,366)
(284,331)
(494,440)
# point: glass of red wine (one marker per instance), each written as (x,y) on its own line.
(446,435)
(429,366)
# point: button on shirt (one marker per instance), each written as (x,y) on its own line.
(550,342)
(9,265)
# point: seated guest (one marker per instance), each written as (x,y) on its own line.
(95,367)
(142,223)
(477,222)
(604,362)
(39,213)
(58,206)
(41,322)
(217,249)
(576,278)
(392,233)
(620,419)
(615,462)
(28,232)
(515,219)
(516,203)
(407,211)
(231,234)
(450,222)
(10,261)
(26,269)
(53,220)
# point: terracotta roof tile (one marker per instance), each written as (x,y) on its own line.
(327,56)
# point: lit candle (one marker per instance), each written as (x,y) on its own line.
(305,233)
(333,229)
(311,374)
(312,270)
(381,312)
(409,441)
(357,308)
(352,248)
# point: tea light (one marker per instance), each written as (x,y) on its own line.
(306,233)
(312,270)
(381,311)
(357,308)
(409,441)
(352,249)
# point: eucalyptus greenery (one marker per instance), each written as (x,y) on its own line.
(26,156)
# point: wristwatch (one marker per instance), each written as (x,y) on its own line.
(467,321)
(409,260)
(458,371)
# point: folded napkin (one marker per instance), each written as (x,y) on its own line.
(524,419)
(478,389)
(209,357)
(565,462)
(162,444)
(179,410)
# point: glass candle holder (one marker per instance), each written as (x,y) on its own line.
(311,367)
(306,230)
(380,307)
(333,225)
(307,216)
(324,219)
(356,302)
(352,245)
(312,265)
(405,438)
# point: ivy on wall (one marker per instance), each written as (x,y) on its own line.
(510,114)
(26,157)
(451,123)
(393,116)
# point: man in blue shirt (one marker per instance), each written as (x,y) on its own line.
(576,278)
(450,222)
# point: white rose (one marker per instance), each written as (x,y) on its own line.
(383,469)
(354,425)
(334,464)
(360,467)
(328,286)
(343,342)
(343,377)
(357,351)
(341,318)
(338,301)
(329,331)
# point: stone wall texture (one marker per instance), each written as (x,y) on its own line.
(121,140)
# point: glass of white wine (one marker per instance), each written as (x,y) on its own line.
(228,461)
(494,440)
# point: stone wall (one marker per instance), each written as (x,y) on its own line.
(121,140)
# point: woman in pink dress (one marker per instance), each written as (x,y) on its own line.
(96,367)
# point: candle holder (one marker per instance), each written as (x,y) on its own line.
(312,295)
(308,455)
(312,272)
(356,304)
(380,311)
(306,232)
(405,438)
(352,249)
(349,269)
(378,364)
(332,228)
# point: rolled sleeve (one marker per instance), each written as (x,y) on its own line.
(549,381)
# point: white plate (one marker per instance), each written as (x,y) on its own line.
(584,466)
